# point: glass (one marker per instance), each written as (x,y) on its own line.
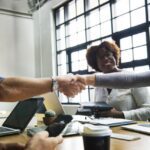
(62,58)
(139,39)
(71,27)
(121,23)
(126,56)
(62,44)
(126,43)
(137,19)
(71,9)
(82,55)
(149,12)
(75,56)
(103,1)
(80,6)
(140,53)
(92,3)
(120,7)
(136,3)
(62,31)
(73,40)
(83,65)
(81,37)
(58,45)
(104,13)
(93,18)
(64,69)
(80,24)
(60,16)
(106,28)
(75,66)
(93,33)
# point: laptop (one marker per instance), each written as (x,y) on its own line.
(51,102)
(142,128)
(20,116)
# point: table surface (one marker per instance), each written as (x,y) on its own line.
(76,143)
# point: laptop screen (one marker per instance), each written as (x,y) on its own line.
(23,113)
(52,102)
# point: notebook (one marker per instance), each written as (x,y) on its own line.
(142,128)
(20,116)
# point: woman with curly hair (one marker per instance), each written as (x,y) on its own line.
(127,103)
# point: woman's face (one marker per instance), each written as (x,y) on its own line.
(106,61)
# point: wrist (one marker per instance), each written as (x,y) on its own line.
(90,79)
(54,84)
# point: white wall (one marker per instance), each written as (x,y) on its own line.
(17,56)
(16,46)
(45,39)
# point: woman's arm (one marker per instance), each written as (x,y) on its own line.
(141,96)
(122,80)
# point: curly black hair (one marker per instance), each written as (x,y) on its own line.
(92,53)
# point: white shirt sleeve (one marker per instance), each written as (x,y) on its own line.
(141,96)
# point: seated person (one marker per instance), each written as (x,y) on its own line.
(127,103)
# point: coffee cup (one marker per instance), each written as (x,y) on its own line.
(96,137)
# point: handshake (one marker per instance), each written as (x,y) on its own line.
(71,85)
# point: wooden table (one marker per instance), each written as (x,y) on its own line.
(76,143)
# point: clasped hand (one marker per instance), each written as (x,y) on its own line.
(71,85)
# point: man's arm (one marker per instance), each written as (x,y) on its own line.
(19,88)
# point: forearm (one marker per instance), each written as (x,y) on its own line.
(123,80)
(12,89)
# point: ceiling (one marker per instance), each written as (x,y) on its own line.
(15,5)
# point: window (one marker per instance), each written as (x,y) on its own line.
(82,23)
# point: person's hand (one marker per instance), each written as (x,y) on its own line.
(111,113)
(41,141)
(69,85)
(86,79)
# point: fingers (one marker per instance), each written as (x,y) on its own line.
(55,140)
(42,141)
(70,85)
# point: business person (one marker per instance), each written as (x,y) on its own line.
(19,88)
(127,103)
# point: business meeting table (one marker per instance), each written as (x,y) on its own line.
(76,143)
